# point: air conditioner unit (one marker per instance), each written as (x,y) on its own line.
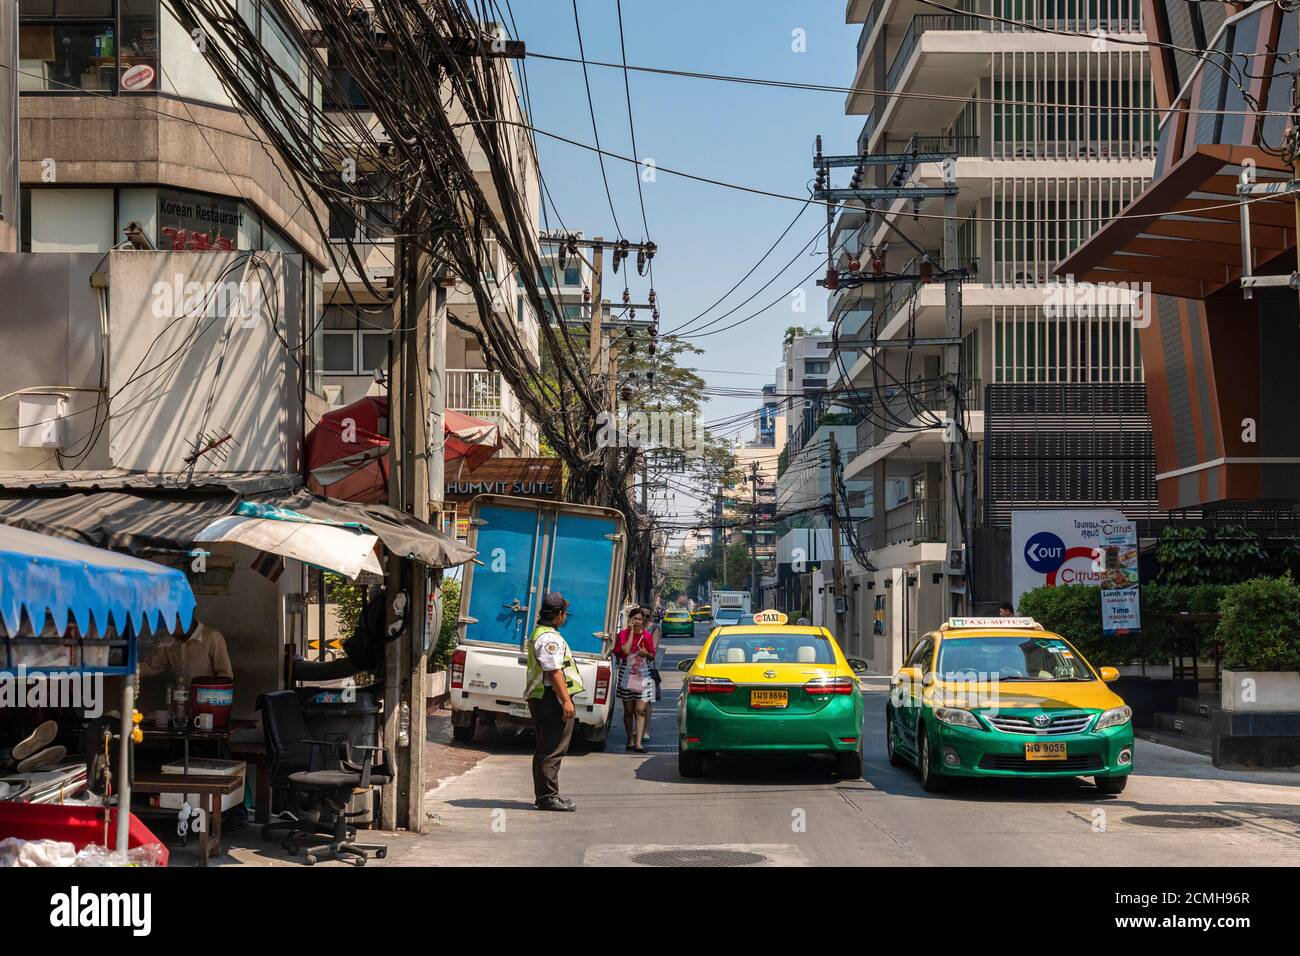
(40,420)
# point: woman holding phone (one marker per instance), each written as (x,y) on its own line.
(634,648)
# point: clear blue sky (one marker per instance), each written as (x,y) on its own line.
(757,136)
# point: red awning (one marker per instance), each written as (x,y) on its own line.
(346,453)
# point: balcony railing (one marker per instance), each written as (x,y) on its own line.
(475,392)
(864,138)
(915,522)
(917,28)
(867,27)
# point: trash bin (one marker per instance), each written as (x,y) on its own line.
(331,719)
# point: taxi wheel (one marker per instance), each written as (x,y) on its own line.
(895,758)
(849,765)
(931,782)
(690,763)
(1111,785)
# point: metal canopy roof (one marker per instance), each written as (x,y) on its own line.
(1182,235)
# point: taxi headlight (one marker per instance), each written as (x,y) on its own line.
(1115,717)
(956,717)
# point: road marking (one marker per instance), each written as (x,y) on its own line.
(621,854)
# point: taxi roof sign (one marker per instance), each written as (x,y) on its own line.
(956,623)
(770,617)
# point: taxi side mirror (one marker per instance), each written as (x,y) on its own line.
(686,664)
(908,675)
(1108,674)
(858,665)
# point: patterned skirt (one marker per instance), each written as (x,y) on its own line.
(634,681)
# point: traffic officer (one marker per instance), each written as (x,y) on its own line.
(553,681)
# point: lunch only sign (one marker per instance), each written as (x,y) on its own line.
(1096,548)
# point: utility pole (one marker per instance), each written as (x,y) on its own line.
(959,479)
(953,426)
(753,532)
(837,560)
(597,304)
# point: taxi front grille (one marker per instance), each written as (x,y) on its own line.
(1060,724)
(1079,764)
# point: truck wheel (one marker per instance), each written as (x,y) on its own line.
(590,742)
(690,763)
(1111,785)
(464,733)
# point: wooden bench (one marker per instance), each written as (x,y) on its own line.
(210,790)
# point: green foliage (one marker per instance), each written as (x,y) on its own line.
(1074,612)
(440,657)
(348,598)
(793,332)
(782,461)
(1260,625)
(1197,555)
(711,564)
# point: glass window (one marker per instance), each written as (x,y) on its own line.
(779,648)
(572,275)
(197,221)
(374,351)
(72,45)
(71,220)
(1012,658)
(340,352)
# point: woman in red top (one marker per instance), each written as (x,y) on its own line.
(634,647)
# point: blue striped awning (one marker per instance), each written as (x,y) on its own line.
(39,573)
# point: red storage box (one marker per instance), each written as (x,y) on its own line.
(75,824)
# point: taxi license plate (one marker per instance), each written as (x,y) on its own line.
(1045,750)
(769,698)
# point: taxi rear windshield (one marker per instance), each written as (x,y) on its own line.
(1010,658)
(730,614)
(771,648)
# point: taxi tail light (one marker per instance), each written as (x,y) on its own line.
(602,683)
(710,685)
(458,669)
(833,685)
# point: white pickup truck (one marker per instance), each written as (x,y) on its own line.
(526,548)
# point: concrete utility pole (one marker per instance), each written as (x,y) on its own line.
(837,545)
(960,479)
(753,533)
(953,427)
(597,306)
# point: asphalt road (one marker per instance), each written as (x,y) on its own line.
(798,812)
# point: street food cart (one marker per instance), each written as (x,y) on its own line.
(67,608)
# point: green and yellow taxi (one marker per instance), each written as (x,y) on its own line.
(702,613)
(677,623)
(770,688)
(1002,697)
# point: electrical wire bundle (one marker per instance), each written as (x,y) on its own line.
(427,74)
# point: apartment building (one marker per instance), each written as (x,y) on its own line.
(1053,136)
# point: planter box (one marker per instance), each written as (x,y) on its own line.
(1261,692)
(1149,696)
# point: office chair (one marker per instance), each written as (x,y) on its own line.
(319,779)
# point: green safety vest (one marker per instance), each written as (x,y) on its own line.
(536,687)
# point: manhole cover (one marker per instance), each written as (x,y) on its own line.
(1183,821)
(698,858)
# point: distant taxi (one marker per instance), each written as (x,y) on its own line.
(677,623)
(702,613)
(1002,697)
(770,688)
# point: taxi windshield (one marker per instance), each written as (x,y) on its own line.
(1010,659)
(774,648)
(675,615)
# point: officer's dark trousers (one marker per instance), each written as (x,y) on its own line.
(553,736)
